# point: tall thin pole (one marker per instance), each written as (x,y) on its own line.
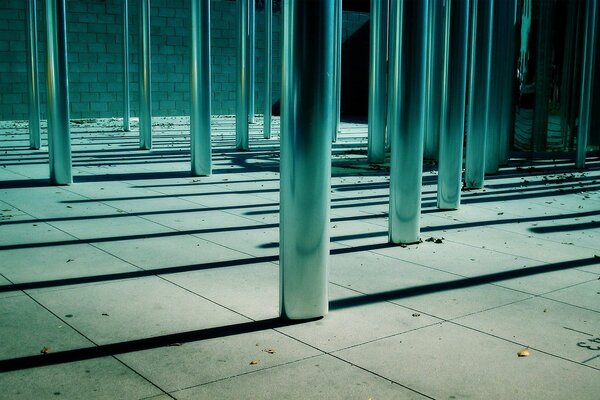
(268,67)
(408,128)
(145,77)
(378,80)
(456,45)
(33,85)
(242,96)
(307,113)
(585,108)
(200,88)
(59,135)
(508,83)
(126,111)
(434,78)
(252,57)
(479,92)
(337,73)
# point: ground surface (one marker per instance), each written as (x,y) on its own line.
(139,281)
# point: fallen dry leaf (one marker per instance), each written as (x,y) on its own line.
(270,351)
(523,352)
(45,350)
(253,362)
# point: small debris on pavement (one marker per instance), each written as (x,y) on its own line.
(523,352)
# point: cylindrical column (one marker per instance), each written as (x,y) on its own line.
(587,77)
(392,66)
(144,67)
(307,113)
(59,135)
(337,72)
(33,86)
(434,79)
(126,65)
(508,82)
(479,91)
(242,95)
(200,88)
(378,80)
(268,64)
(252,58)
(456,45)
(408,128)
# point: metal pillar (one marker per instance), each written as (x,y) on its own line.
(407,131)
(33,85)
(378,80)
(434,78)
(452,124)
(268,66)
(587,78)
(252,56)
(126,65)
(59,135)
(243,60)
(144,66)
(479,91)
(392,66)
(508,82)
(200,88)
(337,72)
(307,113)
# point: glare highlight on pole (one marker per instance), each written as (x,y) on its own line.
(242,95)
(126,111)
(408,127)
(307,114)
(145,76)
(378,81)
(200,88)
(479,92)
(452,123)
(585,108)
(59,135)
(33,86)
(268,68)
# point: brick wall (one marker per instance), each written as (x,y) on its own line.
(94,42)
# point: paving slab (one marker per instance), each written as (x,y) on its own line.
(322,377)
(585,295)
(448,361)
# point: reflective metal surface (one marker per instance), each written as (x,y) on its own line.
(585,110)
(408,100)
(307,118)
(252,58)
(59,135)
(479,91)
(378,80)
(126,112)
(242,95)
(268,67)
(145,76)
(33,86)
(452,124)
(200,88)
(337,73)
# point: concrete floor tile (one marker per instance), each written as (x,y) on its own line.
(251,290)
(586,295)
(461,363)
(118,226)
(179,367)
(322,377)
(59,262)
(368,322)
(133,309)
(101,378)
(541,324)
(27,328)
(18,234)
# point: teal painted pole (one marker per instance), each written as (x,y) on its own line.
(33,85)
(392,83)
(452,124)
(508,82)
(59,135)
(126,102)
(408,129)
(434,79)
(200,88)
(268,67)
(479,92)
(307,114)
(337,38)
(252,57)
(378,81)
(242,97)
(145,77)
(585,108)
